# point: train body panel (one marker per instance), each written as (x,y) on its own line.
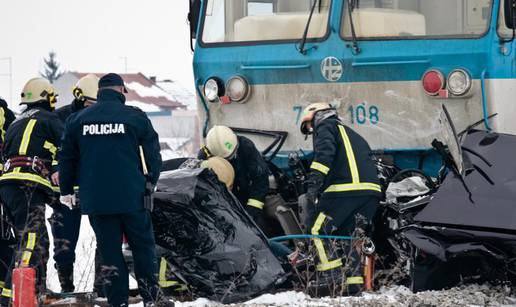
(378,89)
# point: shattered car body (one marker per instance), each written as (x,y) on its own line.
(465,231)
(210,241)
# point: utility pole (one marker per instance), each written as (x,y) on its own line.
(9,61)
(124,58)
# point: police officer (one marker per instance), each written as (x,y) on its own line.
(30,149)
(343,180)
(66,223)
(101,148)
(251,172)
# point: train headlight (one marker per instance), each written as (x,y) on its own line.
(237,88)
(433,82)
(459,82)
(213,89)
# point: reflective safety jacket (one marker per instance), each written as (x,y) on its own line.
(342,161)
(35,134)
(251,174)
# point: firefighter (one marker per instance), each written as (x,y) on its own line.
(102,143)
(251,172)
(65,223)
(342,183)
(85,95)
(6,234)
(30,175)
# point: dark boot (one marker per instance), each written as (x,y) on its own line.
(65,274)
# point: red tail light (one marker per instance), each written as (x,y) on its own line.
(433,82)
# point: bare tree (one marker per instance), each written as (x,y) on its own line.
(52,70)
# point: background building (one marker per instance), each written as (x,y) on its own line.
(170,107)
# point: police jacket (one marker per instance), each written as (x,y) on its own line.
(36,135)
(100,148)
(6,118)
(342,165)
(64,112)
(251,183)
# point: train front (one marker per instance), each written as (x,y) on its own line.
(388,66)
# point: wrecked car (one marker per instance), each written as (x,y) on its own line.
(430,232)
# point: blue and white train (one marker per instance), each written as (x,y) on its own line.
(388,65)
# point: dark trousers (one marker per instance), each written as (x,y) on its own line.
(65,225)
(137,227)
(25,206)
(6,257)
(337,216)
(343,211)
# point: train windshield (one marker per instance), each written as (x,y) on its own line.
(417,18)
(227,21)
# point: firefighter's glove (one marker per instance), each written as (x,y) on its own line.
(315,183)
(311,199)
(69,201)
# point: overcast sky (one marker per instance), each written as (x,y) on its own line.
(95,36)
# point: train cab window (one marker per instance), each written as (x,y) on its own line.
(503,31)
(263,20)
(417,18)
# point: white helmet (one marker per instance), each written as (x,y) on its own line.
(221,142)
(37,90)
(87,88)
(222,168)
(309,114)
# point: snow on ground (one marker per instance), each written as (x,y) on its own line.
(397,296)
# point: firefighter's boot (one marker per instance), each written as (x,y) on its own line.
(65,274)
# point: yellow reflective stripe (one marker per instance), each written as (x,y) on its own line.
(320,167)
(17,175)
(346,187)
(355,280)
(31,240)
(323,258)
(318,223)
(2,284)
(329,265)
(51,147)
(54,162)
(318,242)
(2,123)
(350,155)
(7,292)
(26,137)
(163,282)
(31,243)
(255,203)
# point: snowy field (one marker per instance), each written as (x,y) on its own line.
(467,296)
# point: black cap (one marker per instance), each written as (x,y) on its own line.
(111,79)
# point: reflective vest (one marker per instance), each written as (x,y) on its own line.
(344,157)
(36,133)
